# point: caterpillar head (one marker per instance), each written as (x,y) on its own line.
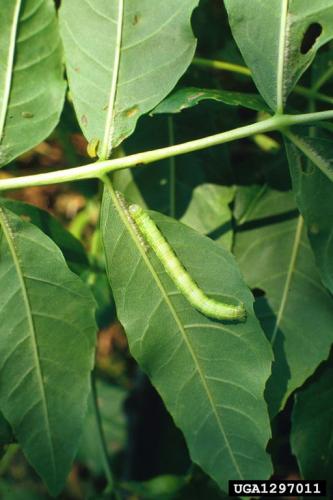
(135,210)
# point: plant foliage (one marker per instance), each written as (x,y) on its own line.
(214,117)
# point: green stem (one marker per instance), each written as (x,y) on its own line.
(313,94)
(102,440)
(95,244)
(324,78)
(243,70)
(172,170)
(8,458)
(221,65)
(81,220)
(99,169)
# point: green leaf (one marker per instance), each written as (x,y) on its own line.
(312,429)
(322,69)
(152,187)
(125,182)
(201,487)
(110,401)
(246,203)
(279,44)
(6,433)
(211,375)
(191,96)
(165,487)
(32,87)
(71,247)
(10,491)
(296,312)
(314,194)
(47,332)
(209,212)
(318,151)
(123,58)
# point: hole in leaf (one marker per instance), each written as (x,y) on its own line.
(310,37)
(258,292)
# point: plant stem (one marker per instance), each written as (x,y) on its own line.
(243,70)
(324,78)
(99,425)
(221,65)
(100,168)
(172,170)
(313,94)
(8,458)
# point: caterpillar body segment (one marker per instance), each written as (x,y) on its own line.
(124,206)
(182,279)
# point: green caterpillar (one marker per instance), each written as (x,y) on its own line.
(183,281)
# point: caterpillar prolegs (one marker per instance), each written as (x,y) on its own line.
(183,281)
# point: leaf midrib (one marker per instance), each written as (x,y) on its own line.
(252,205)
(281,56)
(179,324)
(7,231)
(109,124)
(291,269)
(9,68)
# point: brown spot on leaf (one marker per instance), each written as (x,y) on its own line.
(27,114)
(130,112)
(136,19)
(84,120)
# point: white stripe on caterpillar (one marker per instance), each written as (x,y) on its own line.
(183,281)
(124,206)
